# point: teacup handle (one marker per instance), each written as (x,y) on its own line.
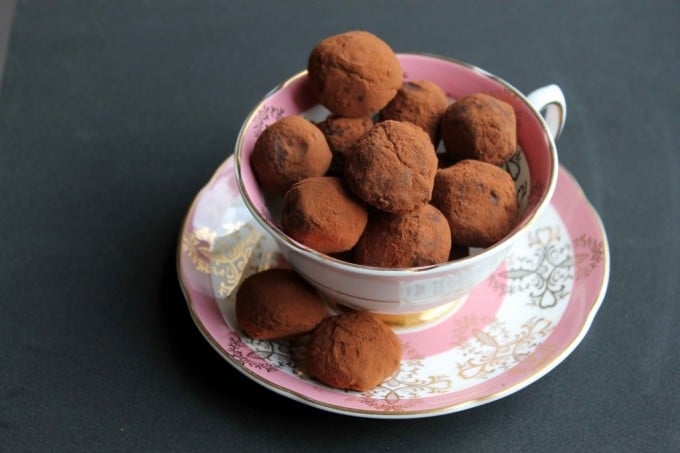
(549,101)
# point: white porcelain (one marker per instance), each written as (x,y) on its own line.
(549,101)
(413,290)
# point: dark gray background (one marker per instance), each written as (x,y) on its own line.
(113,114)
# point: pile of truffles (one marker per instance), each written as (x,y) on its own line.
(367,184)
(351,351)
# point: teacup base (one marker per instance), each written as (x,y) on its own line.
(406,320)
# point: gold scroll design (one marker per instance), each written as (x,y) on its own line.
(495,349)
(464,327)
(544,273)
(225,257)
(588,255)
(229,258)
(406,387)
(265,355)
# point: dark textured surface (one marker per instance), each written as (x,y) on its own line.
(114,114)
(6,14)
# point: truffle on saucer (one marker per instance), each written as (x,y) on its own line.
(353,351)
(277,303)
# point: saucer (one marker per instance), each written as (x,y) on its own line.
(508,332)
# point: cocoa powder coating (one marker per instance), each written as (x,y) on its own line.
(417,238)
(353,351)
(341,133)
(392,167)
(481,127)
(354,73)
(277,303)
(478,200)
(420,102)
(322,214)
(288,151)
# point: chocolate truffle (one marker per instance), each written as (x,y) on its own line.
(392,167)
(341,133)
(420,102)
(288,151)
(480,127)
(353,351)
(320,213)
(354,73)
(277,303)
(478,200)
(417,238)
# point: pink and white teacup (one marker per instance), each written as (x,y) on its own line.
(405,296)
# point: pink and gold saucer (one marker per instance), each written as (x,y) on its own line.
(508,332)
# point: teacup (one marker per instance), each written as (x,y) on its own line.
(403,296)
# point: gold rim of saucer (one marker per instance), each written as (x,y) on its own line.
(407,319)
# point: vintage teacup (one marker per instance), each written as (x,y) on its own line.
(403,296)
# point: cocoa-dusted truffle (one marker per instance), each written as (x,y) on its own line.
(417,238)
(320,213)
(420,102)
(277,303)
(341,133)
(392,167)
(354,73)
(481,127)
(478,200)
(353,351)
(288,151)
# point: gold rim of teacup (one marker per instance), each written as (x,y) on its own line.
(404,320)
